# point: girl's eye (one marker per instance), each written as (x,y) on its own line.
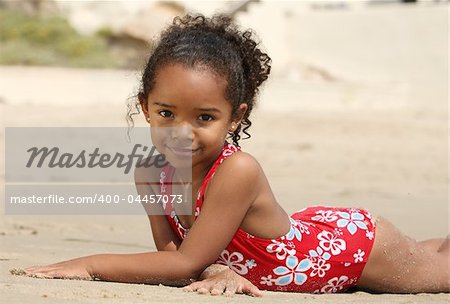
(165,113)
(205,117)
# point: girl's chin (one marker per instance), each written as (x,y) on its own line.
(179,161)
(180,165)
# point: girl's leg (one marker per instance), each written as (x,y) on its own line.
(440,245)
(399,264)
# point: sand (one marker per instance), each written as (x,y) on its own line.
(392,162)
(379,143)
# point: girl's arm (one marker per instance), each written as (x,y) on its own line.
(230,195)
(216,278)
(163,235)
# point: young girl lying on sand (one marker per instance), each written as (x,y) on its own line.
(203,78)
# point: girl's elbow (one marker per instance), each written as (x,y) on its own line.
(192,271)
(191,266)
(182,276)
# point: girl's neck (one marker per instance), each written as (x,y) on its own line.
(194,176)
(198,172)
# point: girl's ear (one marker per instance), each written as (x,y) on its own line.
(144,105)
(243,107)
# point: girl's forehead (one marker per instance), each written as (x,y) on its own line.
(198,79)
(183,70)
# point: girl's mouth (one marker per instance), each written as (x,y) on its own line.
(183,152)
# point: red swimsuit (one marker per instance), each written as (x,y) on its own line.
(324,252)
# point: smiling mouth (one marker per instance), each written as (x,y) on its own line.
(185,152)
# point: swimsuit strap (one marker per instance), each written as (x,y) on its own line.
(227,150)
(165,181)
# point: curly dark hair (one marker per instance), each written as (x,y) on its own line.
(215,43)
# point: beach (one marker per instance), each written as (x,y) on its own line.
(323,136)
(394,163)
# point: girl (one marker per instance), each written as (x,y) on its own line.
(202,79)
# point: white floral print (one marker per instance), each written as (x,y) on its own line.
(338,231)
(293,272)
(352,221)
(325,216)
(197,211)
(369,216)
(267,280)
(280,249)
(335,284)
(230,149)
(162,179)
(319,268)
(233,261)
(359,256)
(183,231)
(369,234)
(294,232)
(330,242)
(319,260)
(250,263)
(319,254)
(303,227)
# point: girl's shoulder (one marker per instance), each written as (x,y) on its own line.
(237,180)
(241,165)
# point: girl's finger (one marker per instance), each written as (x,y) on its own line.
(34,268)
(230,290)
(252,290)
(239,289)
(204,287)
(218,288)
(56,275)
(191,287)
(40,275)
(41,270)
(32,271)
(194,286)
(203,290)
(216,292)
(188,288)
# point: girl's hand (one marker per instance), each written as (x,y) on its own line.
(223,281)
(72,269)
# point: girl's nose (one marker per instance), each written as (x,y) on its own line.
(182,132)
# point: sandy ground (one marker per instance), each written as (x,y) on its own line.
(379,141)
(393,162)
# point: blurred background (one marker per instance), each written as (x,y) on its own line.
(342,53)
(355,112)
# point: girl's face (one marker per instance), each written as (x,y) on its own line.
(189,115)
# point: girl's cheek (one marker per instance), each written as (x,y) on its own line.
(157,138)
